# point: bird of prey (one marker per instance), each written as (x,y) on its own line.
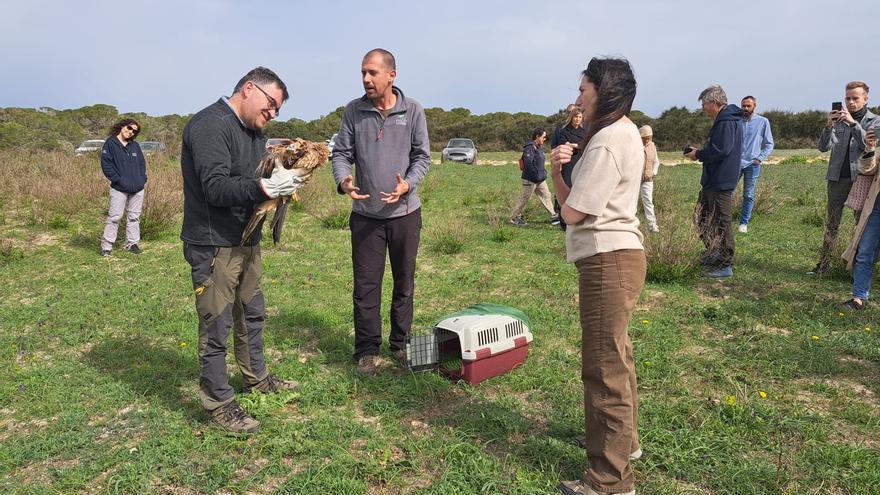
(303,158)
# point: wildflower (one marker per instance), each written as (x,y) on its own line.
(645,322)
(762,393)
(868,329)
(841,314)
(183,344)
(815,337)
(730,400)
(648,363)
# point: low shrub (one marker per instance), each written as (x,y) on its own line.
(448,238)
(9,252)
(672,253)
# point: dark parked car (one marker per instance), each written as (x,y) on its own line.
(150,147)
(459,150)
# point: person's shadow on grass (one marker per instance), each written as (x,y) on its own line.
(151,369)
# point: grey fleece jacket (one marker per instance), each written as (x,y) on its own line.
(837,138)
(378,149)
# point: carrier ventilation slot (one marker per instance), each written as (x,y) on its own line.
(514,329)
(487,336)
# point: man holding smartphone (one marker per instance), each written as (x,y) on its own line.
(844,135)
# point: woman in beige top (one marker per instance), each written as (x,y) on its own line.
(604,242)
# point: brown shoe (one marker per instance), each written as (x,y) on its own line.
(367,365)
(232,418)
(272,384)
(399,357)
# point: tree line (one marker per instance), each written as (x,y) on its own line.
(62,130)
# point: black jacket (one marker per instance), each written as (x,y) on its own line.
(124,166)
(218,161)
(721,154)
(533,163)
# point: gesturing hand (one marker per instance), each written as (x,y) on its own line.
(560,155)
(401,189)
(348,187)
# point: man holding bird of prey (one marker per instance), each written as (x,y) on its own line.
(222,146)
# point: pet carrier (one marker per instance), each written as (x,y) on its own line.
(479,342)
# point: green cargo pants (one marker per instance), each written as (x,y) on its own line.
(226,281)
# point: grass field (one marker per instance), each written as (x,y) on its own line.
(757,384)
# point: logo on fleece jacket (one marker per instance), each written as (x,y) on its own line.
(400,120)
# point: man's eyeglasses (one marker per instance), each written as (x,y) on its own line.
(273,105)
(132,129)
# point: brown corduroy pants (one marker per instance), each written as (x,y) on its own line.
(610,284)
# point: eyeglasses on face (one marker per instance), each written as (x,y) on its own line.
(273,105)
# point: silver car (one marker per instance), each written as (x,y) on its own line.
(331,142)
(459,150)
(150,147)
(89,146)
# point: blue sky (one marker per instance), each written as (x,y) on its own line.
(165,57)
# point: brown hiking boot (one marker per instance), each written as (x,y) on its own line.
(272,384)
(399,357)
(367,365)
(232,418)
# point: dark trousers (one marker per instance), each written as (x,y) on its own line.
(609,287)
(226,281)
(567,170)
(837,194)
(714,226)
(370,238)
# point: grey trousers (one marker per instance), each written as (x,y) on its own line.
(121,202)
(837,194)
(226,281)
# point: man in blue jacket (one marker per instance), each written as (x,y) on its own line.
(757,146)
(534,179)
(721,160)
(384,138)
(123,163)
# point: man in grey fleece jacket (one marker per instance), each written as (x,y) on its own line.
(384,137)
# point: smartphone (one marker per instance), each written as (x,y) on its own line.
(836,106)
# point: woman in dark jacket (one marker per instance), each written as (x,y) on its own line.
(534,178)
(124,166)
(572,132)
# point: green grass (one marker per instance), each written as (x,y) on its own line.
(753,385)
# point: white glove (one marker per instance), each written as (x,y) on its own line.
(282,183)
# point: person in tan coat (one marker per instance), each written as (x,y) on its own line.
(652,166)
(862,252)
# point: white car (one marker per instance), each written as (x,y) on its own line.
(331,142)
(459,150)
(89,146)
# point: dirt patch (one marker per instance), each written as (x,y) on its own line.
(39,472)
(772,330)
